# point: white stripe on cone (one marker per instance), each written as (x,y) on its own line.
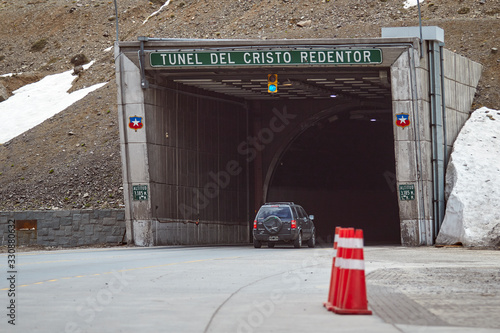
(350,243)
(356,264)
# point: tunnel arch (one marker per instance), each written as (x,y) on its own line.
(300,128)
(374,194)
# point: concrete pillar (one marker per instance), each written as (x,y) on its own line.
(134,153)
(412,148)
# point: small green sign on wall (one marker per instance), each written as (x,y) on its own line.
(407,192)
(140,192)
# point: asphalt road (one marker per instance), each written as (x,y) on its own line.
(242,289)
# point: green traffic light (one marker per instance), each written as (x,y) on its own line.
(272,83)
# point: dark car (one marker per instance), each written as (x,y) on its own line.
(283,222)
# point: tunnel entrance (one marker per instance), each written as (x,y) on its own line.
(347,133)
(342,170)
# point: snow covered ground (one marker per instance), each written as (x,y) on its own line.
(32,104)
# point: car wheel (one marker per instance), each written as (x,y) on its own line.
(257,244)
(312,241)
(298,241)
(271,244)
(273,224)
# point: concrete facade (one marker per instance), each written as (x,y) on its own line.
(168,154)
(65,228)
(413,145)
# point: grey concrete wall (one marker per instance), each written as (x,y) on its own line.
(412,144)
(67,227)
(461,79)
(183,154)
(133,145)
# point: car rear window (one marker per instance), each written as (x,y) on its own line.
(281,212)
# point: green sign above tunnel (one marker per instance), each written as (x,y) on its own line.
(309,57)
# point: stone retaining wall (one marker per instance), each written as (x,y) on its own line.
(64,227)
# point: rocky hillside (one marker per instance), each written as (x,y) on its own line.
(73,161)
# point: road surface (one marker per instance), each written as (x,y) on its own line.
(242,289)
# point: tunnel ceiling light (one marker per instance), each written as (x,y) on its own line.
(193,80)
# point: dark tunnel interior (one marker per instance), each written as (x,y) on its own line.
(342,171)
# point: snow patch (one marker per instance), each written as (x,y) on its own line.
(156,13)
(33,103)
(473,184)
(411,3)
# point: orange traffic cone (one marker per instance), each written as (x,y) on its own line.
(338,273)
(352,298)
(331,290)
(342,272)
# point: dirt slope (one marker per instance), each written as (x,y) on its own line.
(73,161)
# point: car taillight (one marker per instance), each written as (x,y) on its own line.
(294,224)
(255,224)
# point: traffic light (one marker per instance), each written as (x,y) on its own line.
(272,83)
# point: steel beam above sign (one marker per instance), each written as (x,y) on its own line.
(272,57)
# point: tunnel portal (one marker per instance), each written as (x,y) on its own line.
(358,131)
